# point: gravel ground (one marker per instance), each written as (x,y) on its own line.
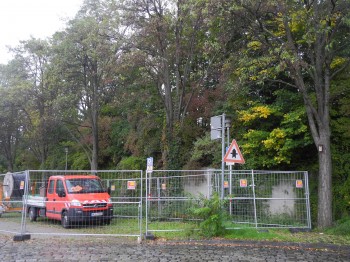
(88,248)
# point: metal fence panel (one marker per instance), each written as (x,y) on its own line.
(170,195)
(89,211)
(283,199)
(12,188)
(254,198)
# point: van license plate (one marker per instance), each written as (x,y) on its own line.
(97,214)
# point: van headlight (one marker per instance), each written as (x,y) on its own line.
(75,203)
(109,200)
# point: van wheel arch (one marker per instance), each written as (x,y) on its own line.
(33,214)
(65,219)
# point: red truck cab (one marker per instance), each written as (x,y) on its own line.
(74,199)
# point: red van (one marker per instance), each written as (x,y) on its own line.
(72,199)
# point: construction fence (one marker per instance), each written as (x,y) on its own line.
(160,201)
(259,199)
(25,208)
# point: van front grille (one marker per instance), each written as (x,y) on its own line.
(94,205)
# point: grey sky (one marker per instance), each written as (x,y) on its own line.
(21,19)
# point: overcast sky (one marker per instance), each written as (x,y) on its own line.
(20,19)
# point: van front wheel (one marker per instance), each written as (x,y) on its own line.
(65,220)
(32,214)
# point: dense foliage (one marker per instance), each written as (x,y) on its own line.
(130,79)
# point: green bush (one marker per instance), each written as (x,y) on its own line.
(132,163)
(211,214)
(342,227)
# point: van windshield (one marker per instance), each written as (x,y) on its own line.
(83,186)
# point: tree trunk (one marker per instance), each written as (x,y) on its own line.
(318,117)
(324,216)
(94,124)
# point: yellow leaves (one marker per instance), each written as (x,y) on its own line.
(254,45)
(264,111)
(297,23)
(263,72)
(338,61)
(276,142)
(255,112)
(276,139)
(253,78)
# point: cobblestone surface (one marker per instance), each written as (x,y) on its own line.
(123,249)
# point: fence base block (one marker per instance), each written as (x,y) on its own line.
(149,236)
(297,230)
(21,237)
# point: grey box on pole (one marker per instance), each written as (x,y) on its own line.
(215,134)
(215,122)
(215,127)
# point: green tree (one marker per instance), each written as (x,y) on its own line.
(304,40)
(86,57)
(275,134)
(11,114)
(340,121)
(35,97)
(169,37)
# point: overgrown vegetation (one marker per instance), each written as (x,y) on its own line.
(342,227)
(211,215)
(114,97)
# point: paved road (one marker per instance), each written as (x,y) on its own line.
(122,249)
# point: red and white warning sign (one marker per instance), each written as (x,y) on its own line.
(233,154)
(132,185)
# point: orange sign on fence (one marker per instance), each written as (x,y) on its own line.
(132,185)
(299,184)
(243,182)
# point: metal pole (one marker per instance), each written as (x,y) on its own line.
(147,201)
(66,150)
(307,196)
(222,153)
(140,205)
(158,195)
(254,199)
(25,203)
(230,166)
(230,191)
(209,183)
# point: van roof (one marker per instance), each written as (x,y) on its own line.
(78,176)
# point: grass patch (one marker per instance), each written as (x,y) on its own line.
(190,231)
(341,228)
(254,234)
(185,230)
(275,235)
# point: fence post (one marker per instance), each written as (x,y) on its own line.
(254,200)
(209,182)
(148,190)
(230,190)
(222,154)
(158,197)
(23,236)
(140,204)
(307,196)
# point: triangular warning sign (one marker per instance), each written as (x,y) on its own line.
(233,154)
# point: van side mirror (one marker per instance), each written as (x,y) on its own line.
(61,193)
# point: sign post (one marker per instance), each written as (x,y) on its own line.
(149,171)
(217,131)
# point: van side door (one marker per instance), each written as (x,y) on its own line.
(61,197)
(51,199)
(56,198)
